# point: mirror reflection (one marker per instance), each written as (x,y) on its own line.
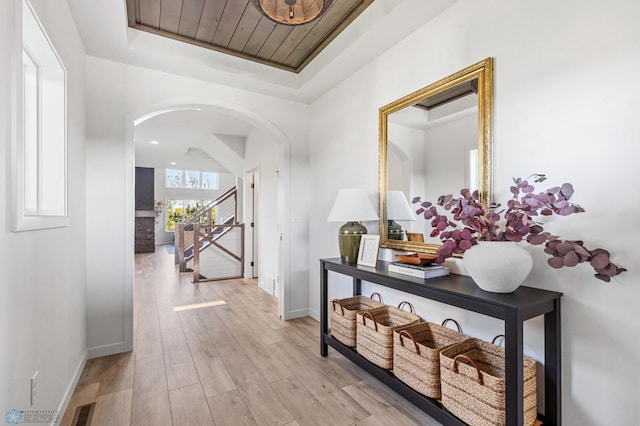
(434,141)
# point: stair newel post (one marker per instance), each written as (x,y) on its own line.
(242,250)
(196,252)
(179,246)
(235,206)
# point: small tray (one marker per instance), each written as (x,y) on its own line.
(421,259)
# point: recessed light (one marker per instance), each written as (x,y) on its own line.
(154,142)
(173,163)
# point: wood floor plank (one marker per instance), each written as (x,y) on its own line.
(150,405)
(189,406)
(119,375)
(369,421)
(173,337)
(307,409)
(342,401)
(179,367)
(191,322)
(213,374)
(113,409)
(288,353)
(384,409)
(169,318)
(265,408)
(229,409)
(240,367)
(148,341)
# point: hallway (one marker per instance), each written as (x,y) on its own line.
(232,363)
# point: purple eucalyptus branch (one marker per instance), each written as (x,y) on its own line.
(473,222)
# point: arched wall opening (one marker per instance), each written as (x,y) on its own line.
(283,203)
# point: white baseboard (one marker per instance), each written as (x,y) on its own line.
(72,386)
(314,314)
(298,313)
(115,348)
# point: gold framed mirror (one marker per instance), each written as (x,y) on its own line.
(434,141)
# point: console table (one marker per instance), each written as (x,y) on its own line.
(461,291)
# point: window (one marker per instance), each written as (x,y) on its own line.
(180,210)
(190,179)
(40,134)
(173,178)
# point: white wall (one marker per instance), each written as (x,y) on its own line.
(262,154)
(565,105)
(42,273)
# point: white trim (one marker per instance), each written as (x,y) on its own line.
(110,349)
(62,408)
(21,221)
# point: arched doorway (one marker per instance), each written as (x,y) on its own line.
(283,192)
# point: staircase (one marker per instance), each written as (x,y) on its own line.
(210,243)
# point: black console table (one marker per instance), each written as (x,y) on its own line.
(461,291)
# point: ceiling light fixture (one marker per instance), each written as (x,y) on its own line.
(154,142)
(292,12)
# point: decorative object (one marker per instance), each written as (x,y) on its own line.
(470,91)
(472,379)
(415,236)
(498,266)
(368,250)
(351,206)
(292,12)
(421,259)
(398,208)
(157,208)
(343,316)
(416,354)
(475,221)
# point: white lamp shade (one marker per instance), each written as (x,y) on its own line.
(352,205)
(398,207)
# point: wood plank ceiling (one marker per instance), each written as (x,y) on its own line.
(236,27)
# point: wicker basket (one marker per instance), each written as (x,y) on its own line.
(416,354)
(343,316)
(375,329)
(472,380)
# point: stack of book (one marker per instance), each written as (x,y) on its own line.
(424,272)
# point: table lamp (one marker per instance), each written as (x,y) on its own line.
(351,206)
(398,208)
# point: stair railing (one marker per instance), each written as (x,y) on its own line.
(206,228)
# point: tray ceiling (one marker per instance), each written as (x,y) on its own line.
(237,28)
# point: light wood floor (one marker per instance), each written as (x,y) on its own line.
(232,364)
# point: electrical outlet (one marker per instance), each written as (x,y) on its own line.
(34,388)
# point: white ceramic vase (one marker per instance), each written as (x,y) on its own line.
(498,266)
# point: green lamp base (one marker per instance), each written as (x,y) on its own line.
(394,231)
(349,241)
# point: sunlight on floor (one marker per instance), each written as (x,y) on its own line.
(198,305)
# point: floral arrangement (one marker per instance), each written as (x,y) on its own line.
(477,222)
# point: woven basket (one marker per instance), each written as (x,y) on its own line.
(416,354)
(343,316)
(375,329)
(472,380)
